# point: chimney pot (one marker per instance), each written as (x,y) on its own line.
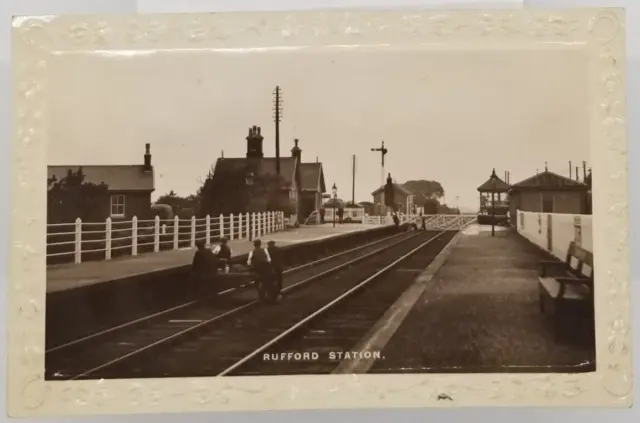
(254,143)
(147,156)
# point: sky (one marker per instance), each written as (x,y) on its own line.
(445,115)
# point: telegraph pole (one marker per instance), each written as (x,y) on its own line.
(353,181)
(277,117)
(383,152)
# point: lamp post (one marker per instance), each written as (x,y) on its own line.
(334,191)
(249,179)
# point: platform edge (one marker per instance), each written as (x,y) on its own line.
(380,334)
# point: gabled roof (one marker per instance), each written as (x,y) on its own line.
(398,187)
(311,175)
(309,172)
(488,186)
(117,177)
(546,180)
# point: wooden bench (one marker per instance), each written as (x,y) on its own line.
(566,293)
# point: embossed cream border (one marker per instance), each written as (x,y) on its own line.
(599,32)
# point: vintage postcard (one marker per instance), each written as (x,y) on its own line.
(319,210)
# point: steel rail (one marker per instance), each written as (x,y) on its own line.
(221,293)
(326,307)
(181,333)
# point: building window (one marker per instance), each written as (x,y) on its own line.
(117,206)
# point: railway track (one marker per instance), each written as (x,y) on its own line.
(140,303)
(221,345)
(103,349)
(318,343)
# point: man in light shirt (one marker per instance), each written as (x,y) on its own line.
(259,256)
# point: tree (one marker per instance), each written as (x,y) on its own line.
(73,197)
(183,206)
(426,189)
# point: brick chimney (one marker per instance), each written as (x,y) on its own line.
(147,157)
(296,152)
(254,143)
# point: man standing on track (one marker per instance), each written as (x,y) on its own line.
(277,263)
(203,269)
(260,262)
(223,253)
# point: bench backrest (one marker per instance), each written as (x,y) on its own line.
(582,257)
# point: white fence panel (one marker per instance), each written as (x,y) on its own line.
(72,240)
(564,229)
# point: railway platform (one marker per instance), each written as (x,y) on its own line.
(65,277)
(474,309)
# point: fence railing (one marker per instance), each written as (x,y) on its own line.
(431,221)
(83,241)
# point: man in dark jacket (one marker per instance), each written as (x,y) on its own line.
(277,263)
(223,253)
(396,219)
(202,270)
(260,262)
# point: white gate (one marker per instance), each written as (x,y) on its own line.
(432,222)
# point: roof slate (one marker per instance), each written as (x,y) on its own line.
(500,186)
(117,177)
(549,181)
(309,172)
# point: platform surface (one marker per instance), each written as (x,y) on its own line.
(480,313)
(69,276)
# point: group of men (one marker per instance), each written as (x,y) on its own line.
(267,263)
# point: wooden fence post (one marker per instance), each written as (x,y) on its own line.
(78,241)
(208,229)
(230,226)
(248,225)
(221,222)
(176,233)
(193,231)
(253,225)
(134,236)
(156,234)
(107,241)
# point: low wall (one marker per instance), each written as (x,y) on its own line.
(554,231)
(78,312)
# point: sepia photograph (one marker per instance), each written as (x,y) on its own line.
(259,213)
(320,210)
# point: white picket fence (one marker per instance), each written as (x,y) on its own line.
(555,231)
(78,238)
